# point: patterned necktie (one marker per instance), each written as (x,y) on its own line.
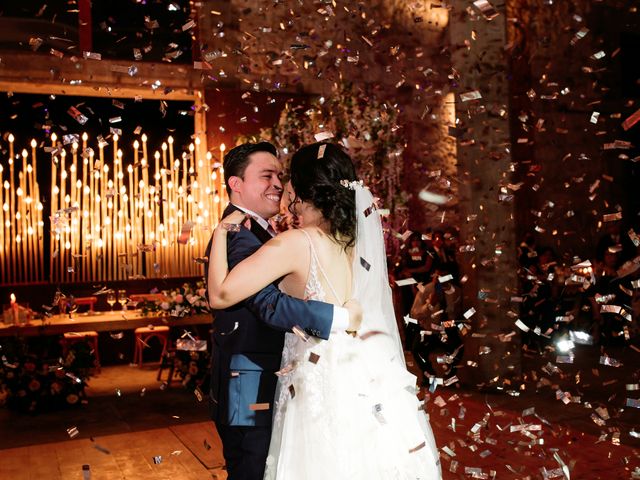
(270,229)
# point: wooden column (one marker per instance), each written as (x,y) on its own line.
(492,347)
(85,25)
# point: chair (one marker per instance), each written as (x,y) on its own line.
(168,361)
(91,337)
(91,301)
(144,334)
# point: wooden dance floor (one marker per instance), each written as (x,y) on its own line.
(184,452)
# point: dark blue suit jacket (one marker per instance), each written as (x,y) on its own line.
(248,339)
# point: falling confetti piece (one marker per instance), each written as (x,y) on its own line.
(377,412)
(198,394)
(633,402)
(235,327)
(300,333)
(287,369)
(370,334)
(631,120)
(365,264)
(434,198)
(321,136)
(473,95)
(406,281)
(488,11)
(185,232)
(419,447)
(77,115)
(100,448)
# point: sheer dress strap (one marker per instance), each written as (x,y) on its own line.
(316,260)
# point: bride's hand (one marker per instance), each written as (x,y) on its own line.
(232,222)
(355,315)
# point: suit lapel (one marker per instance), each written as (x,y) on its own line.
(259,232)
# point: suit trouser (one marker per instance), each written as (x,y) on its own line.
(245,451)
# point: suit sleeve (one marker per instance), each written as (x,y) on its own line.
(275,308)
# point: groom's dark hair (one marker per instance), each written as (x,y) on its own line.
(236,160)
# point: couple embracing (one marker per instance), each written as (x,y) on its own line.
(308,379)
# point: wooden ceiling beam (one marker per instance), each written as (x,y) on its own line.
(49,74)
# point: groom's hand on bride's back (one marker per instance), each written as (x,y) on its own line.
(355,315)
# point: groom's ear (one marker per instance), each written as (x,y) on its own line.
(234,183)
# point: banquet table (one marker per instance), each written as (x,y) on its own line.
(100,322)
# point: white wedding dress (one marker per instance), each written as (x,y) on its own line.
(346,408)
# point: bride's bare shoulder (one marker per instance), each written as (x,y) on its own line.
(289,238)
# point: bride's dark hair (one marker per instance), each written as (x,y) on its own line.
(316,176)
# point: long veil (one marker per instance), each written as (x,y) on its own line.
(370,276)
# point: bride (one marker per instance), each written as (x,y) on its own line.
(345,408)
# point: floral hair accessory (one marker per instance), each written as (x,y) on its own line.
(352,185)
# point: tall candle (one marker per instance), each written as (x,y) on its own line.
(132,210)
(74,218)
(64,235)
(164,201)
(33,208)
(221,186)
(172,204)
(54,206)
(3,246)
(84,211)
(98,215)
(144,191)
(14,308)
(156,209)
(118,214)
(25,273)
(92,219)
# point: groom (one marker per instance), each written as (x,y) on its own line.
(248,338)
